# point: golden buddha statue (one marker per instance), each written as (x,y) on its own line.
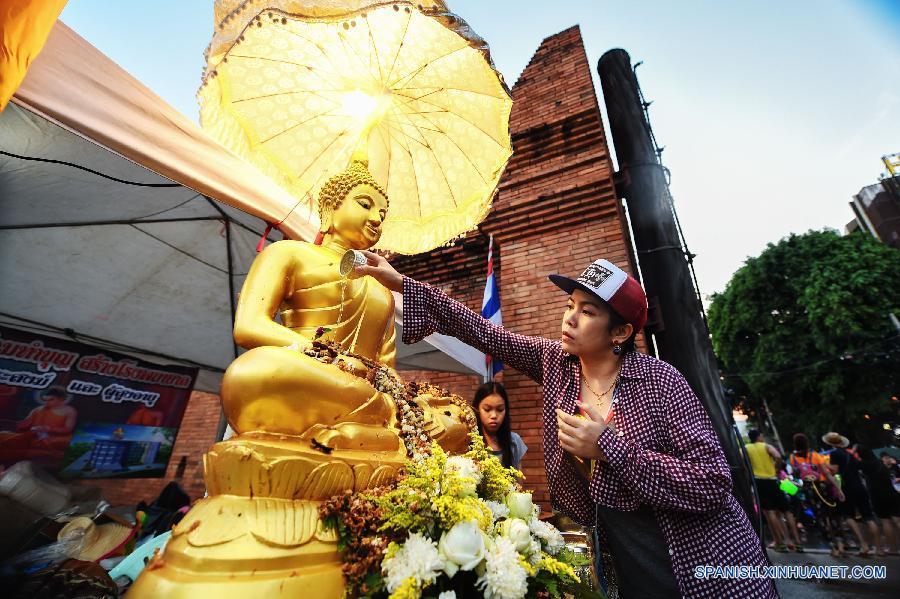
(275,387)
(307,428)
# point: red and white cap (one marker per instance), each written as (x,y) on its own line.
(612,285)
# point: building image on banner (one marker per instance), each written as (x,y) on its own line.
(98,450)
(86,412)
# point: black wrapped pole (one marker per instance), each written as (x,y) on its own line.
(676,316)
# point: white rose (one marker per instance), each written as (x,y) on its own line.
(520,505)
(447,595)
(461,547)
(517,531)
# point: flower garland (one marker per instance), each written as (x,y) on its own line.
(410,414)
(451,527)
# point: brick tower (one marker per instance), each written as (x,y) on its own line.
(556,211)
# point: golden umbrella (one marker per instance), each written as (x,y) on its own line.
(297,88)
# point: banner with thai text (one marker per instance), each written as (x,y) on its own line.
(84,412)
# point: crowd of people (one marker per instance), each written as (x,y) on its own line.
(840,491)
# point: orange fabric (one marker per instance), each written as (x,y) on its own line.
(817,460)
(24,26)
(48,417)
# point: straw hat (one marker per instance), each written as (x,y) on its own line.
(835,440)
(98,541)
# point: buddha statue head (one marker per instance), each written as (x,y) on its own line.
(352,207)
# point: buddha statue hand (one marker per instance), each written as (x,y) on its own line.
(352,365)
(297,347)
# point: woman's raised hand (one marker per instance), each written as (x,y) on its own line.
(381,270)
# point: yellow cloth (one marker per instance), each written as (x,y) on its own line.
(24,27)
(761,461)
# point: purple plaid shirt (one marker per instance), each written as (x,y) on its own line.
(663,451)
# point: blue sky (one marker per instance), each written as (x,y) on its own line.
(772,113)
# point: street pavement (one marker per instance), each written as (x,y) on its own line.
(827,589)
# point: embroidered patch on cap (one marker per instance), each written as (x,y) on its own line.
(595,275)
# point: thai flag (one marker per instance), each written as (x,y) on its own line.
(490,309)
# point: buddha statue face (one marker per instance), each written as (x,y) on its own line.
(357,220)
(352,207)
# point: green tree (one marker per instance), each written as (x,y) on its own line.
(806,326)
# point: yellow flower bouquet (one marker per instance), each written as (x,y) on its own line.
(452,527)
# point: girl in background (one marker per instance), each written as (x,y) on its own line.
(491,404)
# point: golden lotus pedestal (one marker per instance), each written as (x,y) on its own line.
(258,533)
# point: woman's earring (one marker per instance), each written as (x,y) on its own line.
(617,349)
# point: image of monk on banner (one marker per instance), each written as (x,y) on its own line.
(45,433)
(51,424)
(48,428)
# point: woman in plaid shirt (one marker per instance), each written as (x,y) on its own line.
(628,447)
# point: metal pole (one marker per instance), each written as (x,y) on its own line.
(682,337)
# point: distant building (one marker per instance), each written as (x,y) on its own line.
(876,208)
